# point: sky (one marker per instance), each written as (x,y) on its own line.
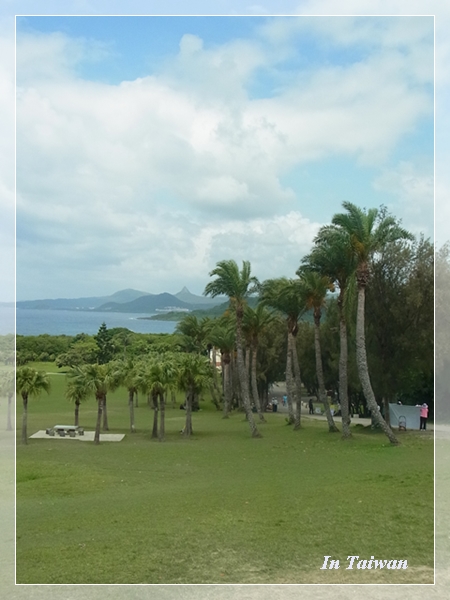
(149,148)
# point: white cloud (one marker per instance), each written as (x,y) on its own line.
(413,186)
(98,162)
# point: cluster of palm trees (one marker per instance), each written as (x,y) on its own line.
(340,258)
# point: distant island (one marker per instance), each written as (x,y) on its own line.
(128,301)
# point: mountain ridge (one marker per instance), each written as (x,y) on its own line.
(126,300)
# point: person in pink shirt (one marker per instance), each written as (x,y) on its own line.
(423,416)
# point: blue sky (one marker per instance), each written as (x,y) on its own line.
(149,148)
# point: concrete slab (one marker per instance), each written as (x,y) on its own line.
(87,437)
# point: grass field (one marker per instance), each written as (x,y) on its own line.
(221,507)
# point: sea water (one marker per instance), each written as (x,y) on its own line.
(30,321)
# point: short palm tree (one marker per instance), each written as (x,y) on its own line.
(284,295)
(97,380)
(368,232)
(193,374)
(255,322)
(237,285)
(314,290)
(77,393)
(127,372)
(223,337)
(30,383)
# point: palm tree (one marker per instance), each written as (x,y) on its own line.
(237,285)
(76,392)
(96,380)
(314,290)
(284,295)
(30,383)
(368,232)
(127,373)
(255,322)
(193,375)
(222,336)
(332,256)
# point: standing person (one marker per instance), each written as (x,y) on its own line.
(423,416)
(311,407)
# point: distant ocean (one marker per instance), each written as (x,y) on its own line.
(70,322)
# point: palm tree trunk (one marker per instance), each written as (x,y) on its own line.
(255,385)
(77,412)
(297,384)
(243,378)
(24,419)
(363,370)
(131,408)
(99,419)
(162,403)
(343,378)
(320,380)
(155,415)
(105,416)
(290,392)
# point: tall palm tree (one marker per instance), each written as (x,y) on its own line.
(255,322)
(30,383)
(285,296)
(97,380)
(237,285)
(314,290)
(332,256)
(368,232)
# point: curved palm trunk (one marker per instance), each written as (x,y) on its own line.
(320,380)
(255,385)
(100,401)
(105,415)
(77,412)
(188,425)
(363,370)
(297,384)
(9,422)
(290,391)
(131,408)
(155,415)
(24,418)
(343,380)
(243,379)
(162,404)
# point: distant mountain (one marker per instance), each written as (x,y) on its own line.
(186,296)
(88,303)
(149,303)
(129,300)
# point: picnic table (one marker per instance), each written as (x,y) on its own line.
(63,430)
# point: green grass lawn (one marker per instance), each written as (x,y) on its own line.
(221,507)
